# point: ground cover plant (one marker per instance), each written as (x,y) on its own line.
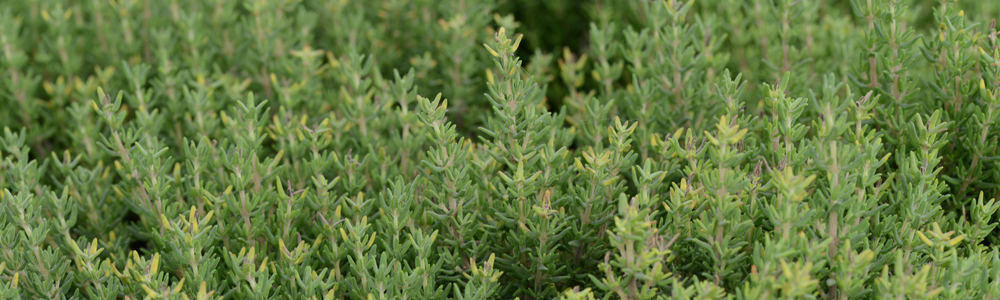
(499,149)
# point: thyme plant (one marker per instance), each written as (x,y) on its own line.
(499,149)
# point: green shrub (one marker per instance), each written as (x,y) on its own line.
(488,149)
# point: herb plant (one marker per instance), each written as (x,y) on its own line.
(499,149)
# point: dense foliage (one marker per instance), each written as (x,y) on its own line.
(499,149)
